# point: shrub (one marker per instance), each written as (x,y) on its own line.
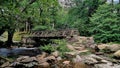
(60,45)
(48,48)
(105,24)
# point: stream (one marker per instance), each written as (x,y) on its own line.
(19,51)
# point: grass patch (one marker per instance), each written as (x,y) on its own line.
(4,36)
(17,36)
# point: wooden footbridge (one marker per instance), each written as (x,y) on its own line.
(49,35)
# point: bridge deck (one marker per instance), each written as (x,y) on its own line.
(49,35)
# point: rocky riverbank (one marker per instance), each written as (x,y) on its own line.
(84,53)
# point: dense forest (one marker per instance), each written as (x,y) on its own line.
(98,18)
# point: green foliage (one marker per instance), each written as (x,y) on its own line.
(59,45)
(39,12)
(62,48)
(15,13)
(105,24)
(40,28)
(43,13)
(48,48)
(79,15)
(62,17)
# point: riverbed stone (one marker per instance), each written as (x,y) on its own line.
(56,53)
(117,54)
(43,65)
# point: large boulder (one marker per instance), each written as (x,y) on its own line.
(102,46)
(109,47)
(113,47)
(83,42)
(92,59)
(5,65)
(106,66)
(117,54)
(43,65)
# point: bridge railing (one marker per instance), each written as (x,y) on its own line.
(58,33)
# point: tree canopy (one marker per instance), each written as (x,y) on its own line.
(90,17)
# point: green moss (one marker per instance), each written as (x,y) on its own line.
(17,35)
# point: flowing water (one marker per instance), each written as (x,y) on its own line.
(18,51)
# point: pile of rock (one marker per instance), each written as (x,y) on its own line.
(73,59)
(99,62)
(80,42)
(111,48)
(55,61)
(45,61)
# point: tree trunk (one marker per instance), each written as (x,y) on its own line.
(112,2)
(119,9)
(10,37)
(1,31)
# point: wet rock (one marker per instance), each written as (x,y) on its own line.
(117,54)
